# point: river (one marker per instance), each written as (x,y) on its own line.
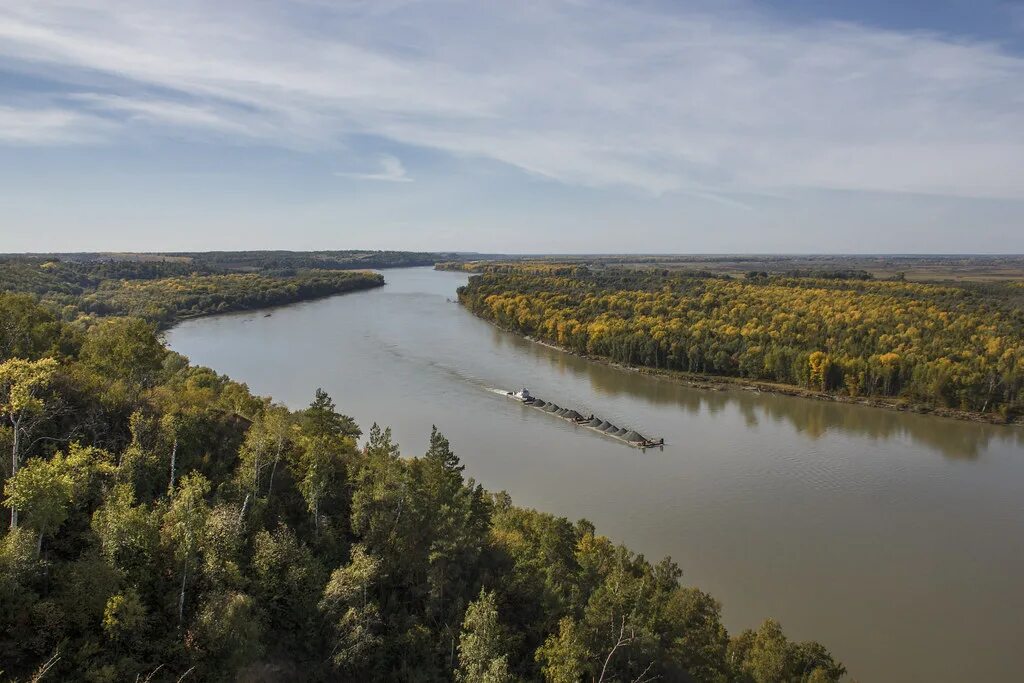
(897,540)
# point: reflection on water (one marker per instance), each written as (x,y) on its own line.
(809,418)
(893,538)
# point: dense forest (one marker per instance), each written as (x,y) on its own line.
(953,345)
(166,524)
(164,292)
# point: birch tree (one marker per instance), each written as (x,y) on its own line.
(21,385)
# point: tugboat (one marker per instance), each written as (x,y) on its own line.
(523,395)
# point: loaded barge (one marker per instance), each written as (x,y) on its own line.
(603,427)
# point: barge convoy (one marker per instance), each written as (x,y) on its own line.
(603,427)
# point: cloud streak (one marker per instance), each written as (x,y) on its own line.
(391,171)
(586,93)
(48,126)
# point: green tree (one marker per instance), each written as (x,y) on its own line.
(697,640)
(228,633)
(321,418)
(129,534)
(21,385)
(287,582)
(266,443)
(123,615)
(379,493)
(124,349)
(564,655)
(44,489)
(353,617)
(184,526)
(483,648)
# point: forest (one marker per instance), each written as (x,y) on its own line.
(955,345)
(164,524)
(165,292)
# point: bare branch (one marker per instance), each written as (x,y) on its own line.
(44,667)
(641,679)
(151,674)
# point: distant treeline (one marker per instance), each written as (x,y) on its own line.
(960,346)
(819,274)
(220,261)
(163,292)
(167,300)
(300,260)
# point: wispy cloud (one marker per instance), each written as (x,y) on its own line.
(591,93)
(49,126)
(391,171)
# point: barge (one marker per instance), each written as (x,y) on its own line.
(629,437)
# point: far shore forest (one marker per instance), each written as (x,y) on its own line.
(956,345)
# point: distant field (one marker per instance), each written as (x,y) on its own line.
(976,268)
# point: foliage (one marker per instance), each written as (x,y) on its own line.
(163,291)
(957,346)
(190,526)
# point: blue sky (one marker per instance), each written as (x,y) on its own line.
(558,126)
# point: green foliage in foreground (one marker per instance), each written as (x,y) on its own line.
(170,522)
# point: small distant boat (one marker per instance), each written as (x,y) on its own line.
(267,315)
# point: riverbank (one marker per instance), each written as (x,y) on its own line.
(169,301)
(940,349)
(721,383)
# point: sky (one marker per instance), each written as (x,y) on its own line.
(672,126)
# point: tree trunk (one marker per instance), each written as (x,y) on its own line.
(241,515)
(14,464)
(174,457)
(277,458)
(39,544)
(256,477)
(181,596)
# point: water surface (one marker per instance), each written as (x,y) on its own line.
(897,540)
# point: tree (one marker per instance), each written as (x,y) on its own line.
(228,631)
(564,655)
(21,383)
(124,349)
(123,615)
(266,443)
(43,490)
(697,640)
(353,618)
(322,419)
(128,533)
(319,468)
(483,649)
(287,582)
(184,525)
(27,330)
(767,656)
(380,492)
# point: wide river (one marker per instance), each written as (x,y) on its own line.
(896,540)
